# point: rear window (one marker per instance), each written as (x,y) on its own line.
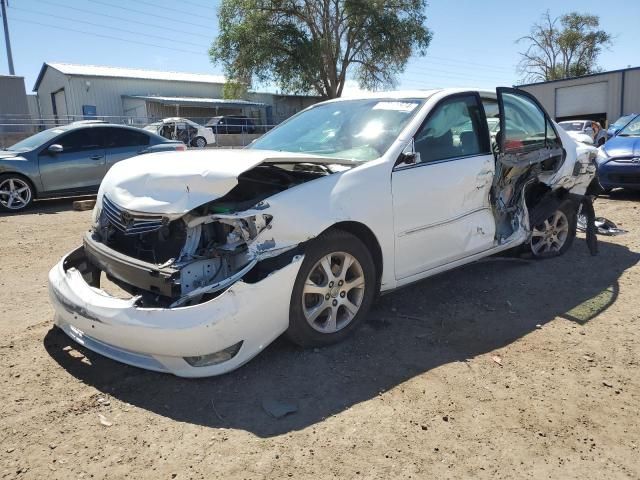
(124,137)
(572,126)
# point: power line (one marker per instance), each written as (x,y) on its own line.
(110,37)
(466,62)
(160,37)
(196,4)
(155,5)
(162,27)
(428,71)
(173,19)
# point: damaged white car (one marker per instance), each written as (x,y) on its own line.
(217,253)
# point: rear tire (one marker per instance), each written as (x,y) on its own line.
(555,236)
(333,292)
(16,193)
(199,142)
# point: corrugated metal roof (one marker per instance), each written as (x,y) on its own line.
(629,69)
(195,101)
(117,72)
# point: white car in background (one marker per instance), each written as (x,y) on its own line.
(219,254)
(581,131)
(185,130)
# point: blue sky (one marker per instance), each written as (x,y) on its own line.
(473,44)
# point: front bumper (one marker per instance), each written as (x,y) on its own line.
(619,174)
(159,338)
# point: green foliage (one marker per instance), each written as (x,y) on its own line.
(234,90)
(313,46)
(569,49)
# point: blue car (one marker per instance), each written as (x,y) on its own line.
(619,159)
(619,124)
(69,160)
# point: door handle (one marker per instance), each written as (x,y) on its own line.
(96,157)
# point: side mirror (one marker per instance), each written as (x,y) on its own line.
(55,148)
(408,156)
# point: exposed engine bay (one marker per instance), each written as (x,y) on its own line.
(190,258)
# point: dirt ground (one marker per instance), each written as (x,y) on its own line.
(501,369)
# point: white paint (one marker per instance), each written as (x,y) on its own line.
(426,220)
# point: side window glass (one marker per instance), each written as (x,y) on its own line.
(525,125)
(79,140)
(452,130)
(552,138)
(123,137)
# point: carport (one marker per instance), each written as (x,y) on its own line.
(143,109)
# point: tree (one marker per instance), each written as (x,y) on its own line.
(562,47)
(316,45)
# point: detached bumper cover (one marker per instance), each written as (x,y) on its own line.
(159,339)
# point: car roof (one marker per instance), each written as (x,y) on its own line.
(412,94)
(91,124)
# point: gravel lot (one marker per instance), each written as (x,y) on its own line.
(501,369)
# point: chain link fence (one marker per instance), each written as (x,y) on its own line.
(229,131)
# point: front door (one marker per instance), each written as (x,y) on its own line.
(441,205)
(79,167)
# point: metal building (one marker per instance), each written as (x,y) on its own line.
(15,120)
(68,92)
(602,97)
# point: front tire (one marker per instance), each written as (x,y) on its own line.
(333,292)
(555,235)
(16,193)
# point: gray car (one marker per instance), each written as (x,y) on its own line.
(69,160)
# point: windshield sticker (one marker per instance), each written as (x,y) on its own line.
(396,106)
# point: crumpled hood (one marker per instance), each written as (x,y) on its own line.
(623,147)
(173,183)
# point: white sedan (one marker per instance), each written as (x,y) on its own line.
(185,130)
(219,254)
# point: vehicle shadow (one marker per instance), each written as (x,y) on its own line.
(448,318)
(48,206)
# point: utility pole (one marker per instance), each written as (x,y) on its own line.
(6,37)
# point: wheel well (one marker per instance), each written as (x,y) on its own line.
(366,236)
(25,178)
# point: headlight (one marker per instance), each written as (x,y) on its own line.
(601,157)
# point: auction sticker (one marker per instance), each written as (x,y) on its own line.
(396,106)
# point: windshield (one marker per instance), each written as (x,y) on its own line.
(358,130)
(37,140)
(622,121)
(631,130)
(572,126)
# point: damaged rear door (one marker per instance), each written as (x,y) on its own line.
(526,135)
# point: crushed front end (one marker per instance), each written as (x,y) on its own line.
(197,293)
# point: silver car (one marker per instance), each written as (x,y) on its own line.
(69,160)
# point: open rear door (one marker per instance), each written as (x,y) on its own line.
(527,135)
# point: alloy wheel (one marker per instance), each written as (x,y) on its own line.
(333,292)
(201,142)
(550,237)
(15,193)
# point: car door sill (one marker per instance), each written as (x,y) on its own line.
(401,282)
